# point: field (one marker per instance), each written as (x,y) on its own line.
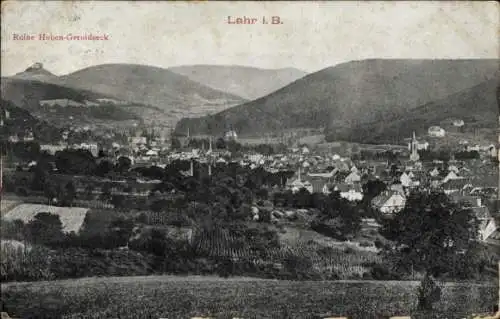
(184,297)
(71,217)
(7,205)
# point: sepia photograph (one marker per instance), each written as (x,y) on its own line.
(250,159)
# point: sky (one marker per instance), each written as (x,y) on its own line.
(312,36)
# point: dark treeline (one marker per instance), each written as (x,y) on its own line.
(231,146)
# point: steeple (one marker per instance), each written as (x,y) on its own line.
(188,132)
(414,156)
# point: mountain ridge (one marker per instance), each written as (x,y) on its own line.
(349,94)
(245,81)
(484,97)
(137,77)
(166,95)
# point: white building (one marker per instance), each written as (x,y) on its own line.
(350,192)
(352,178)
(231,136)
(389,202)
(436,131)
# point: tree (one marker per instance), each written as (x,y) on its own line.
(26,150)
(233,146)
(89,191)
(302,199)
(49,191)
(372,189)
(338,218)
(106,191)
(123,165)
(41,176)
(157,244)
(175,143)
(394,171)
(220,143)
(465,155)
(75,162)
(45,229)
(262,193)
(103,168)
(120,231)
(428,293)
(118,201)
(69,194)
(430,234)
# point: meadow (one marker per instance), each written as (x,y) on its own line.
(72,218)
(184,297)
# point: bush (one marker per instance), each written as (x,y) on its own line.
(21,191)
(348,250)
(428,294)
(366,243)
(380,272)
(45,229)
(379,244)
(12,229)
(142,218)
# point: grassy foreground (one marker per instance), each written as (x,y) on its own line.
(184,297)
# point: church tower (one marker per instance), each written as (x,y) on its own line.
(414,157)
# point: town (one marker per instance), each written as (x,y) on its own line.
(467,173)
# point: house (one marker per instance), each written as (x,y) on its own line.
(352,178)
(152,153)
(350,192)
(455,185)
(320,185)
(326,189)
(51,149)
(490,230)
(397,188)
(453,168)
(435,182)
(297,185)
(230,135)
(90,103)
(406,180)
(60,102)
(419,145)
(91,147)
(436,131)
(451,176)
(323,175)
(487,224)
(389,202)
(136,140)
(492,150)
(28,137)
